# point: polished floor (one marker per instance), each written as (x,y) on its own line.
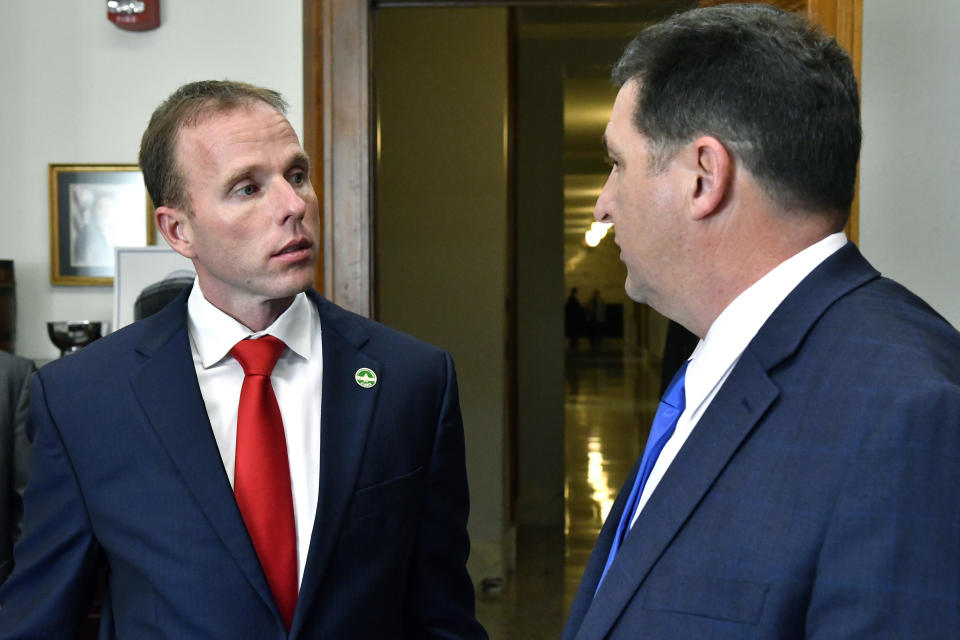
(610,401)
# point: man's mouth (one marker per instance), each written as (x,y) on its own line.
(295,246)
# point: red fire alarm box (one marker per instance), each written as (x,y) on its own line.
(134,15)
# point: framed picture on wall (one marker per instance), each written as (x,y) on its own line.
(95,208)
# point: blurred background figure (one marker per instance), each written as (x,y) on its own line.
(596,318)
(15,374)
(574,318)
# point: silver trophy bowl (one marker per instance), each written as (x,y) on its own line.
(71,336)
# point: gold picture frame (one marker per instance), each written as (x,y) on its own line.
(95,208)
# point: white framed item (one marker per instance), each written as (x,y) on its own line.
(139,267)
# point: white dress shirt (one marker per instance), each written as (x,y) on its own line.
(728,336)
(296,380)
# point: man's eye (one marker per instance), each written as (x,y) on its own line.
(247,190)
(298,178)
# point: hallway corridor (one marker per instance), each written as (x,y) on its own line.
(610,400)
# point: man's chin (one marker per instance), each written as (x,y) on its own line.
(634,292)
(297,281)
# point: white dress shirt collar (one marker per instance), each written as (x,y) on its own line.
(215,333)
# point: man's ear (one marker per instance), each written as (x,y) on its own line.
(713,168)
(174,226)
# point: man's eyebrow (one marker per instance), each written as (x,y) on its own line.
(240,174)
(607,146)
(300,158)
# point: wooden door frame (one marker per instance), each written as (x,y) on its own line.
(337,120)
(338,98)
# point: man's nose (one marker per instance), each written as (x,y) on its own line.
(601,210)
(290,202)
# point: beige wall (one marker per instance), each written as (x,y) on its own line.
(441,222)
(909,224)
(540,410)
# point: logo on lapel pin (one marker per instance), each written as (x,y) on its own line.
(366,378)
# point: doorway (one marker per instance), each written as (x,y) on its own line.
(487,146)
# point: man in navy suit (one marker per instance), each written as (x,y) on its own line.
(136,448)
(811,484)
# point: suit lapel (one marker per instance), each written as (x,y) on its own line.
(167,389)
(345,415)
(735,411)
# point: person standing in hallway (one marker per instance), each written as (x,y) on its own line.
(15,374)
(252,461)
(596,319)
(802,478)
(574,319)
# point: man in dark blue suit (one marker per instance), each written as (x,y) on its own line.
(809,484)
(356,528)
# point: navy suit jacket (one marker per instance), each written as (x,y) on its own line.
(819,494)
(125,466)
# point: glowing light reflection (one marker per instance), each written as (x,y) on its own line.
(598,479)
(596,233)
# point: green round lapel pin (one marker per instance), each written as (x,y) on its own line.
(365,377)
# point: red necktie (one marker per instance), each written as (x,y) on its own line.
(262,475)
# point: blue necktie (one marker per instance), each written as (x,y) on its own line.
(671,406)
